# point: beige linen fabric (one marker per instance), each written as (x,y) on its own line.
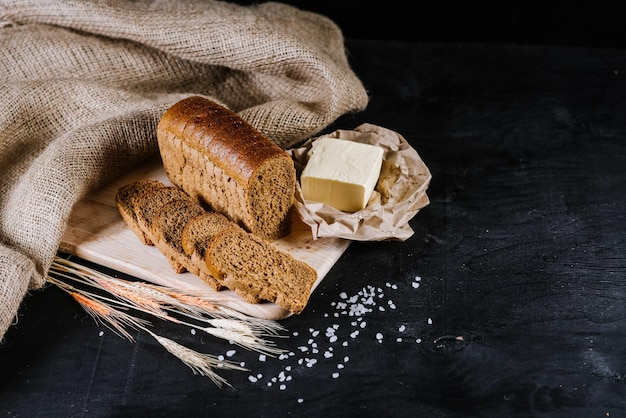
(83,84)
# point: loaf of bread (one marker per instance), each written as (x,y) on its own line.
(214,248)
(228,166)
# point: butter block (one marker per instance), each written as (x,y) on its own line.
(341,173)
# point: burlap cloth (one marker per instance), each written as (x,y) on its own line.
(83,84)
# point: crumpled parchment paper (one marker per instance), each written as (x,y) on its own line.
(398,196)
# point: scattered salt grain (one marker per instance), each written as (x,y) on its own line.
(300,400)
(367,300)
(230,353)
(193,331)
(101,333)
(430,321)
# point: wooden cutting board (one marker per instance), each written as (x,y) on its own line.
(97,233)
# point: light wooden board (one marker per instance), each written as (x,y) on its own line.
(97,233)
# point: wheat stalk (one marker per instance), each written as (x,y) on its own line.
(166,304)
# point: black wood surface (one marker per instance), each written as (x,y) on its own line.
(509,300)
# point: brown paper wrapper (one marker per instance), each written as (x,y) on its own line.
(398,196)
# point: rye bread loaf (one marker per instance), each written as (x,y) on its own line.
(256,270)
(125,200)
(228,166)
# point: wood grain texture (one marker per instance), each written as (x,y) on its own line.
(97,233)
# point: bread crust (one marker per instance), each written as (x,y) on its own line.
(221,135)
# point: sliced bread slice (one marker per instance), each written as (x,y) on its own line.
(167,228)
(148,204)
(196,235)
(256,270)
(125,199)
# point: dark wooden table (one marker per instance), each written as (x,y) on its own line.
(509,299)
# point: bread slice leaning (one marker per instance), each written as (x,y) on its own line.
(125,200)
(195,237)
(167,228)
(256,270)
(148,204)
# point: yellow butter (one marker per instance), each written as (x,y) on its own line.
(341,173)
